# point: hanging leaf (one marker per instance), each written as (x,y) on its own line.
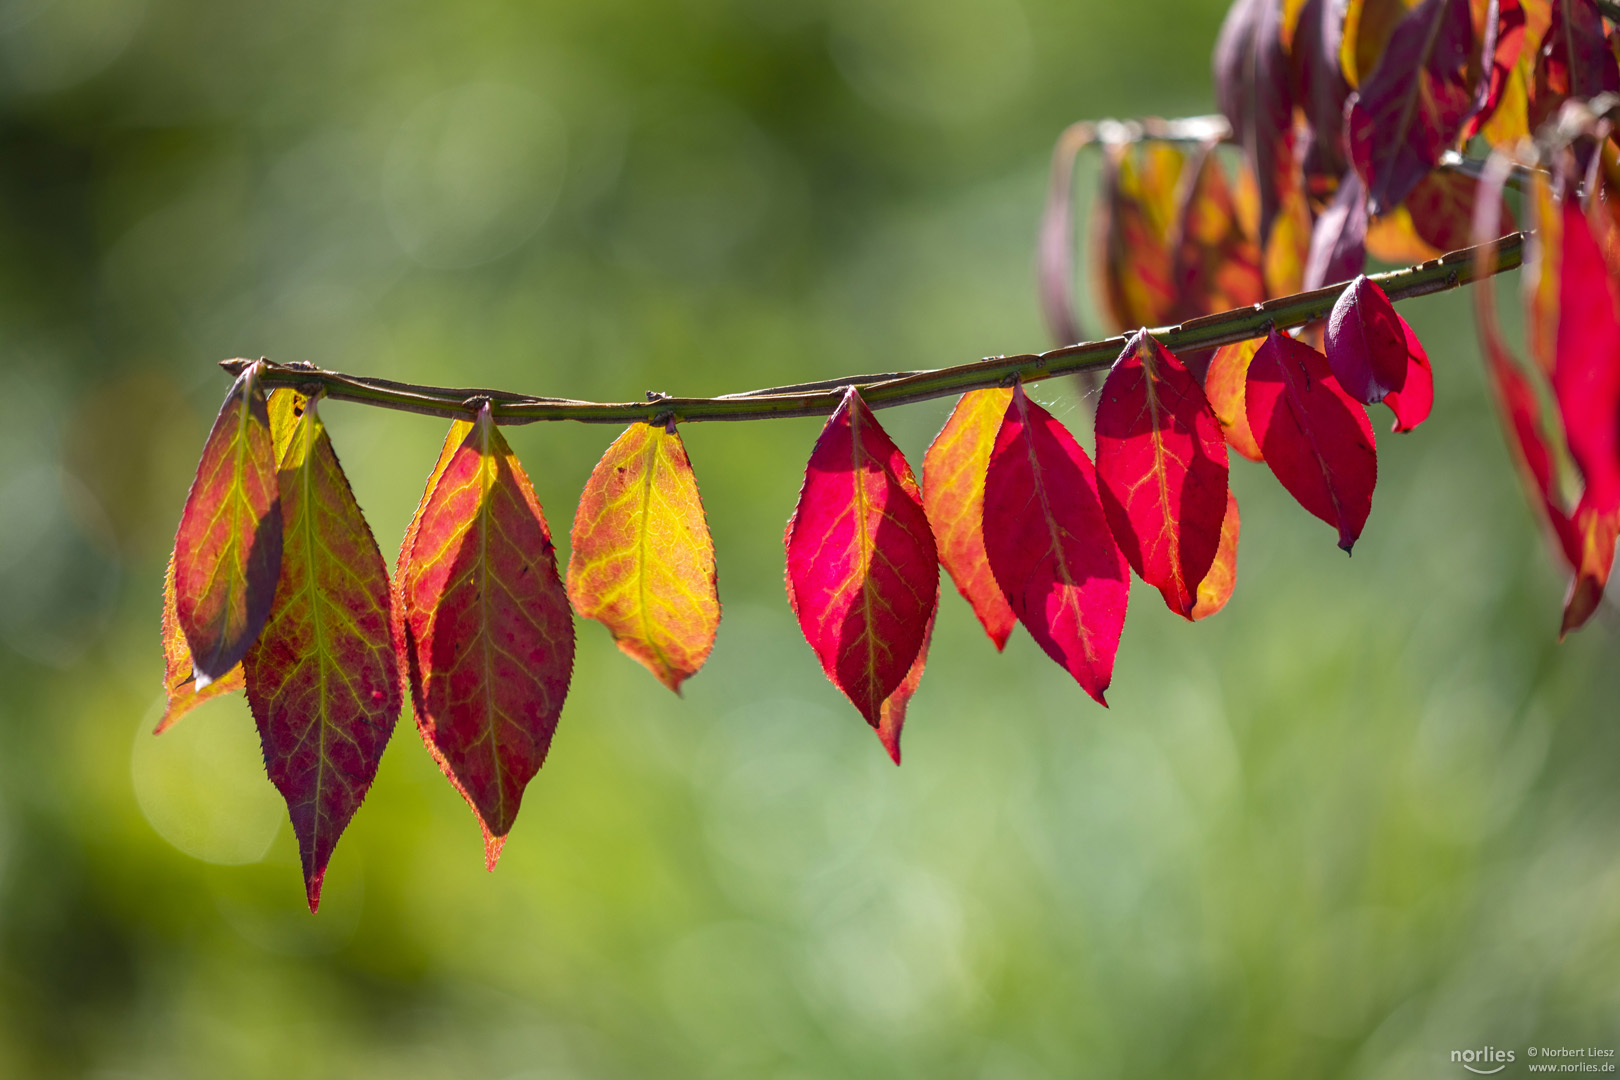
(284,407)
(1574,61)
(1288,247)
(1442,207)
(1316,439)
(953,496)
(1501,35)
(1320,90)
(1412,402)
(641,561)
(1339,241)
(862,570)
(1135,213)
(1161,470)
(1216,263)
(1252,91)
(1223,385)
(1586,373)
(1368,25)
(486,629)
(1050,547)
(1413,106)
(1216,588)
(1542,279)
(322,678)
(1366,347)
(227,553)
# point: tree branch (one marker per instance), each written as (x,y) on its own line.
(889,388)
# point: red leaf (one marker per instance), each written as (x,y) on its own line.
(1574,61)
(227,553)
(953,496)
(893,715)
(1414,105)
(1316,439)
(862,570)
(484,625)
(1339,241)
(1500,45)
(1412,402)
(322,678)
(1216,588)
(1366,347)
(179,678)
(1050,547)
(1223,385)
(1161,470)
(1586,378)
(1252,91)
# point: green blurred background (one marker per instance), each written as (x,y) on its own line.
(1366,816)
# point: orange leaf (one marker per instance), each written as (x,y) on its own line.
(1223,385)
(487,635)
(953,497)
(1216,588)
(642,562)
(1131,233)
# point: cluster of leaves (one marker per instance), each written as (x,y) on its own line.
(276,585)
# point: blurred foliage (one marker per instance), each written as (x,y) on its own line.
(1367,815)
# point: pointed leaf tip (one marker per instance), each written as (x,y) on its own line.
(322,678)
(953,497)
(862,568)
(228,547)
(1412,403)
(1161,470)
(1050,547)
(484,624)
(1317,441)
(641,559)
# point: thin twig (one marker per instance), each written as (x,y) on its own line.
(890,388)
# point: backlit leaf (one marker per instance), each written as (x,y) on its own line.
(1593,534)
(892,718)
(862,569)
(1316,439)
(284,407)
(641,561)
(1368,25)
(1412,402)
(487,633)
(1413,106)
(1320,90)
(1574,61)
(1252,90)
(1501,36)
(1161,470)
(1135,214)
(1215,262)
(323,677)
(1586,373)
(1339,241)
(1050,547)
(1365,345)
(1216,588)
(1223,385)
(1441,208)
(227,553)
(953,496)
(1288,247)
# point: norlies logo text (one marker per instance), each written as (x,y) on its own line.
(1487,1055)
